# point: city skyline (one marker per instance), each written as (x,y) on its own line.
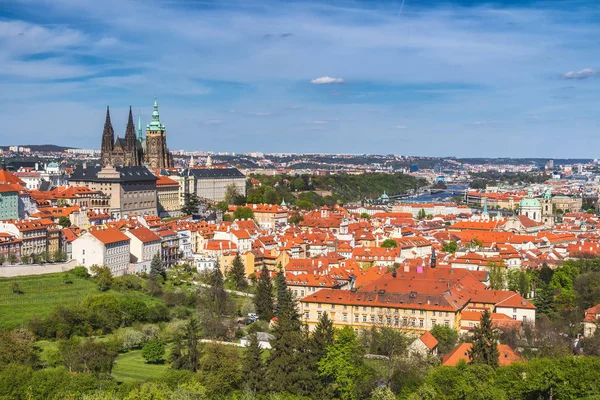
(461,78)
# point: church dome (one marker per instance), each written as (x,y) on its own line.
(529,202)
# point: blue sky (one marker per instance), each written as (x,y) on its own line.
(438,78)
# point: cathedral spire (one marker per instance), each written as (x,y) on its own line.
(108,140)
(130,138)
(140,132)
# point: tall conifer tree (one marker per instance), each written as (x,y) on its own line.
(253,367)
(485,343)
(264,295)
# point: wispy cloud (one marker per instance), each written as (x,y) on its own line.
(582,74)
(327,80)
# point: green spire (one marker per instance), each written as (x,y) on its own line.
(155,124)
(140,134)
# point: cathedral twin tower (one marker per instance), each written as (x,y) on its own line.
(136,151)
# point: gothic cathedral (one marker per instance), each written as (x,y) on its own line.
(136,151)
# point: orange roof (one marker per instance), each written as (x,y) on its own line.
(507,355)
(429,340)
(7,177)
(165,181)
(109,235)
(145,235)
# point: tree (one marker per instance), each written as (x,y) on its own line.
(65,222)
(446,337)
(2,259)
(157,267)
(422,214)
(342,364)
(222,206)
(102,276)
(238,273)
(383,393)
(389,244)
(220,369)
(391,343)
(305,204)
(323,336)
(497,275)
(253,368)
(59,256)
(12,258)
(87,355)
(191,204)
(18,347)
(154,351)
(365,215)
(284,296)
(264,295)
(231,193)
(185,353)
(243,213)
(450,247)
(485,343)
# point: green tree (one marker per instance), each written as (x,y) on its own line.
(87,355)
(191,204)
(342,364)
(305,204)
(102,277)
(422,214)
(389,244)
(222,206)
(383,393)
(231,194)
(485,343)
(12,259)
(154,351)
(238,273)
(497,275)
(65,222)
(18,347)
(59,256)
(253,367)
(243,213)
(446,337)
(185,353)
(323,336)
(219,369)
(365,215)
(264,295)
(157,267)
(450,247)
(284,296)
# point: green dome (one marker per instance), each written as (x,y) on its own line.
(529,202)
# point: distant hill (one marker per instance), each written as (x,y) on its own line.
(41,147)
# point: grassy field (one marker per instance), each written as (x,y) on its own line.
(131,366)
(41,293)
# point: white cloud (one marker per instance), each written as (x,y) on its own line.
(584,73)
(327,80)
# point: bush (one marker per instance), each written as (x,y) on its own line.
(154,351)
(80,272)
(131,339)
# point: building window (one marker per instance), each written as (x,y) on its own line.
(306,315)
(421,322)
(345,317)
(332,306)
(319,305)
(372,318)
(421,312)
(364,318)
(514,316)
(447,323)
(356,318)
(514,310)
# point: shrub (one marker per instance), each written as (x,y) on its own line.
(154,351)
(80,272)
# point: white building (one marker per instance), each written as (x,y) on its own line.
(109,247)
(144,245)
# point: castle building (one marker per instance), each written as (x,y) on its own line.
(135,151)
(157,153)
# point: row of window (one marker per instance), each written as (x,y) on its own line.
(380,319)
(380,309)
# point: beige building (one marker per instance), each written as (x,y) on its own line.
(269,216)
(167,191)
(132,190)
(108,247)
(33,234)
(144,244)
(211,183)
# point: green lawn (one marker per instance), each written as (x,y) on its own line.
(41,293)
(131,366)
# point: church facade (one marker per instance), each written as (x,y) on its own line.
(132,150)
